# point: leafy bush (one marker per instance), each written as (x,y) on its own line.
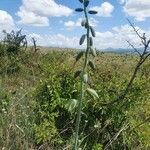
(14,41)
(9,52)
(99,122)
(54,98)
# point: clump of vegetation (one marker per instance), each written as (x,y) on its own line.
(10,49)
(14,41)
(40,102)
(44,105)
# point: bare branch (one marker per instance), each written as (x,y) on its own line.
(145,54)
(136,31)
(145,58)
(114,138)
(34,45)
(148,42)
(134,48)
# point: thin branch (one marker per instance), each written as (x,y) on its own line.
(136,31)
(145,58)
(134,48)
(145,54)
(34,45)
(148,42)
(114,138)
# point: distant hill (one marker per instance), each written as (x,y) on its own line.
(121,50)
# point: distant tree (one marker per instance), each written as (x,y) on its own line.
(14,41)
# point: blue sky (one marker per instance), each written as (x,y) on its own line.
(54,22)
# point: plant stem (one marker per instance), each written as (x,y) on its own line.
(82,85)
(79,116)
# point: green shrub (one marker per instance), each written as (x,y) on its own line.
(14,41)
(55,109)
(52,110)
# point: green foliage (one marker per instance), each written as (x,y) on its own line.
(97,147)
(41,101)
(13,41)
(4,103)
(40,97)
(11,52)
(84,74)
(2,49)
(15,118)
(11,65)
(98,123)
(55,101)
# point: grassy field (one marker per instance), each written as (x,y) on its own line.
(38,107)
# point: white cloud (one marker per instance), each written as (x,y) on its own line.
(34,35)
(56,40)
(139,9)
(37,37)
(72,24)
(37,12)
(6,21)
(115,38)
(104,10)
(32,18)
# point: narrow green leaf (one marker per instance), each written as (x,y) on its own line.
(82,39)
(91,41)
(77,73)
(86,3)
(85,78)
(93,52)
(93,12)
(91,64)
(79,9)
(92,93)
(92,31)
(79,56)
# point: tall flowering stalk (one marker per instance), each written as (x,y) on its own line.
(88,38)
